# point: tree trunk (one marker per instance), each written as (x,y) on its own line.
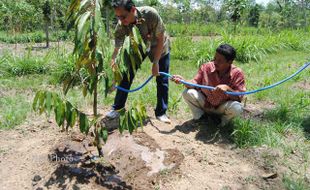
(97,125)
(304,9)
(47,36)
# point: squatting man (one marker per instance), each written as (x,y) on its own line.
(224,76)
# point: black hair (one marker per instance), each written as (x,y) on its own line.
(127,4)
(227,51)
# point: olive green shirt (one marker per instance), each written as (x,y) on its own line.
(150,26)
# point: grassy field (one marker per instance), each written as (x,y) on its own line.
(264,58)
(37,37)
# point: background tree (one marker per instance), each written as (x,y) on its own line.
(254,15)
(47,19)
(235,9)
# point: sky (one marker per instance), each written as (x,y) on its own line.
(263,2)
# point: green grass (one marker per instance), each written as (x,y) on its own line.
(292,104)
(23,66)
(249,47)
(291,184)
(14,110)
(37,37)
(195,29)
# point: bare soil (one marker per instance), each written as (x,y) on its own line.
(181,155)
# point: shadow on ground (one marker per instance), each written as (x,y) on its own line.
(306,127)
(37,48)
(113,124)
(207,128)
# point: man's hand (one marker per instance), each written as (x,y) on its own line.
(221,89)
(155,69)
(113,65)
(177,78)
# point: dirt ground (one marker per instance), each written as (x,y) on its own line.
(180,155)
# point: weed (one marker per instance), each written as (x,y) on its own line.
(24,65)
(281,113)
(294,184)
(164,172)
(14,111)
(243,133)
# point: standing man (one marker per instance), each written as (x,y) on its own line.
(152,30)
(222,74)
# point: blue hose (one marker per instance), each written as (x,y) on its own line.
(212,88)
(136,89)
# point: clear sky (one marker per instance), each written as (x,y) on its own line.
(263,2)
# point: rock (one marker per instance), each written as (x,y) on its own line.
(36,178)
(269,176)
(77,137)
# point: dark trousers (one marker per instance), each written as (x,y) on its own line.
(162,88)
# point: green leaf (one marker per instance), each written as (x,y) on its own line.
(140,119)
(84,90)
(48,104)
(84,123)
(35,101)
(99,57)
(134,114)
(74,114)
(72,10)
(131,125)
(103,134)
(126,44)
(135,46)
(139,40)
(126,60)
(133,61)
(69,113)
(67,83)
(60,113)
(91,86)
(97,24)
(56,99)
(41,102)
(83,25)
(122,119)
(134,120)
(84,3)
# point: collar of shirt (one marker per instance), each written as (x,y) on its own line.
(139,18)
(229,71)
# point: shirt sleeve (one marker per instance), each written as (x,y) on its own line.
(238,83)
(119,35)
(157,24)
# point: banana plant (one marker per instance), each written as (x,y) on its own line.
(92,52)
